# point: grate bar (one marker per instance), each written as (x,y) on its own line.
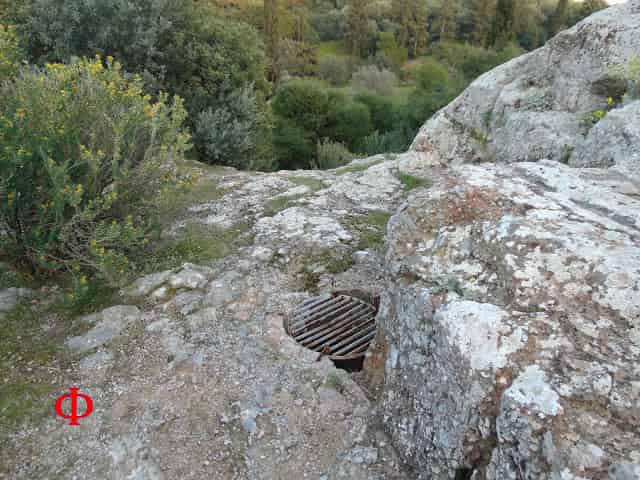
(341,325)
(314,323)
(366,339)
(336,341)
(317,314)
(354,312)
(335,335)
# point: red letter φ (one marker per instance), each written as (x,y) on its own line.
(74,406)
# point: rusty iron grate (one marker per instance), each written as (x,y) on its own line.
(338,325)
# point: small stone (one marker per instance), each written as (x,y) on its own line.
(262,254)
(188,278)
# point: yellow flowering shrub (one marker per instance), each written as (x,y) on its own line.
(83,151)
(10,54)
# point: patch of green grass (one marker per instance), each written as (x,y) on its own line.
(333,380)
(25,350)
(313,183)
(279,204)
(24,399)
(9,277)
(357,167)
(411,181)
(329,48)
(174,204)
(333,262)
(567,152)
(197,244)
(371,229)
(96,295)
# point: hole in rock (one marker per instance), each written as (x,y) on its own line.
(340,325)
(463,473)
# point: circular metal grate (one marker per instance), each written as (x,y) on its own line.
(338,325)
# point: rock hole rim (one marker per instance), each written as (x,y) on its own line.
(340,325)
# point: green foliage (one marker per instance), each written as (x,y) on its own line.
(503,29)
(10,53)
(371,229)
(296,58)
(228,134)
(56,30)
(411,16)
(182,47)
(209,58)
(371,77)
(357,27)
(330,25)
(473,61)
(306,102)
(630,75)
(334,70)
(435,88)
(195,245)
(388,142)
(567,152)
(590,119)
(82,153)
(394,54)
(347,121)
(559,17)
(380,108)
(331,155)
(411,181)
(306,112)
(85,296)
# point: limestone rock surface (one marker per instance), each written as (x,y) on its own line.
(512,324)
(532,107)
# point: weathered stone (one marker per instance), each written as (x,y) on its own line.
(108,325)
(188,278)
(9,298)
(521,319)
(530,108)
(145,285)
(613,142)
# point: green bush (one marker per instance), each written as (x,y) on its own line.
(334,70)
(394,54)
(131,30)
(371,77)
(389,142)
(380,108)
(347,121)
(227,135)
(181,47)
(435,88)
(331,155)
(300,110)
(10,54)
(473,61)
(330,25)
(306,112)
(296,58)
(83,152)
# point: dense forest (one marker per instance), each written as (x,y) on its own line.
(295,83)
(99,99)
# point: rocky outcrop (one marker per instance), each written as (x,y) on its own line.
(613,142)
(532,107)
(512,319)
(194,376)
(513,325)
